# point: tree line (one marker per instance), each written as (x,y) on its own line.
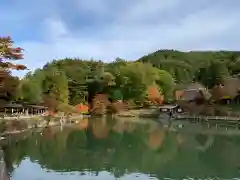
(74,81)
(154,76)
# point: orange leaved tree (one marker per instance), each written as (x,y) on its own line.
(154,95)
(8,53)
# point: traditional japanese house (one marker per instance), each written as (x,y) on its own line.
(191,92)
(227,91)
(192,98)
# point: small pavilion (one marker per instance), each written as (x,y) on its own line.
(22,109)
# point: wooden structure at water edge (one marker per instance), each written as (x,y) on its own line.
(21,109)
(223,121)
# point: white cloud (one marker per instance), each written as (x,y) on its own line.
(135,31)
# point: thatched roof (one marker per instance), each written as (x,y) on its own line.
(232,86)
(193,91)
(190,86)
(227,90)
(191,95)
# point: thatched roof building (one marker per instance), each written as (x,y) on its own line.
(229,89)
(191,92)
(189,86)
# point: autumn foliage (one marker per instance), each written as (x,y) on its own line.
(99,104)
(81,108)
(8,83)
(154,95)
(8,52)
(156,138)
(100,129)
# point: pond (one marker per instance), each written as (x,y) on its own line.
(105,149)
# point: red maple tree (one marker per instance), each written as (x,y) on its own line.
(154,95)
(8,52)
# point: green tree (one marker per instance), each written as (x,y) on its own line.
(166,82)
(56,84)
(30,92)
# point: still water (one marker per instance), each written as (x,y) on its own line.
(107,149)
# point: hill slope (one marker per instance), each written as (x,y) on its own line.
(208,67)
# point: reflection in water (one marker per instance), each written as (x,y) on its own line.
(156,138)
(100,128)
(108,149)
(82,124)
(180,139)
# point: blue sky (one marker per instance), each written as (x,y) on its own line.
(106,29)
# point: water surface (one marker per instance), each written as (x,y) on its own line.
(106,149)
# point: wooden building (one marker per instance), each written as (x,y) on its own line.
(227,91)
(167,108)
(21,109)
(191,92)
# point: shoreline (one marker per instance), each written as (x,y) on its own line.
(36,117)
(41,124)
(140,115)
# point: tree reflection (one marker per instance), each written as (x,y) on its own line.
(156,138)
(116,149)
(100,128)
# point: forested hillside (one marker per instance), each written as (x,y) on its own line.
(154,76)
(208,67)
